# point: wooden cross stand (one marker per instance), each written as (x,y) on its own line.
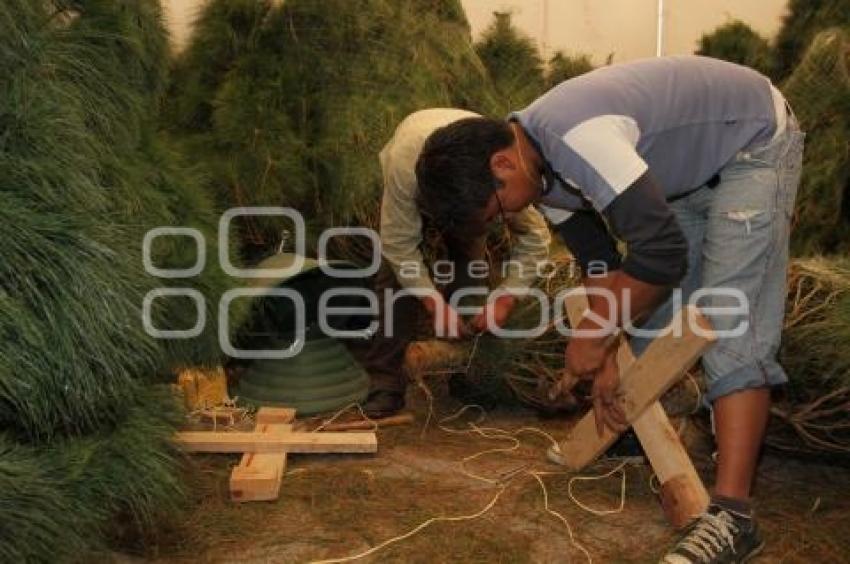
(260,472)
(643,381)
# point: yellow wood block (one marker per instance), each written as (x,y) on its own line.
(203,387)
(212,441)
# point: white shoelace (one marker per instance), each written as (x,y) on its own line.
(710,536)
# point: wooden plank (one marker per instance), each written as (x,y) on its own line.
(681,501)
(277,415)
(683,495)
(665,361)
(249,484)
(207,441)
(259,475)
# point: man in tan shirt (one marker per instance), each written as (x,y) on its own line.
(403,267)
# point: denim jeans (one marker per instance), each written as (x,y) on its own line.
(738,235)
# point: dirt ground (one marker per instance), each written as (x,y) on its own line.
(332,506)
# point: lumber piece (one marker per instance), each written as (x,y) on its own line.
(642,383)
(683,494)
(667,455)
(251,484)
(259,475)
(267,415)
(294,442)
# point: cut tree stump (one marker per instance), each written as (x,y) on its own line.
(643,381)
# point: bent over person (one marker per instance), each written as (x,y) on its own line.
(691,162)
(403,272)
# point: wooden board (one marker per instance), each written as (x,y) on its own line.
(642,383)
(259,475)
(275,415)
(297,442)
(660,441)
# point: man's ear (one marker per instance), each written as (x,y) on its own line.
(502,163)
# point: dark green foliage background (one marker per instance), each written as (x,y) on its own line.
(819,91)
(802,22)
(737,42)
(564,67)
(294,106)
(513,62)
(84,173)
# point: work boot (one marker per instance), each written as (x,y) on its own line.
(718,536)
(383,403)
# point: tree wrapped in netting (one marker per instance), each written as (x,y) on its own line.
(306,93)
(816,409)
(84,175)
(819,92)
(513,62)
(491,370)
(564,67)
(737,42)
(802,22)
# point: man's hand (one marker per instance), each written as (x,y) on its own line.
(447,323)
(607,407)
(501,309)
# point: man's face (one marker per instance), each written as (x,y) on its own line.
(520,186)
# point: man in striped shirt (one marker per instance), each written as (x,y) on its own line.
(693,164)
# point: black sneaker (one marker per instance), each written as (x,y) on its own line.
(718,536)
(383,403)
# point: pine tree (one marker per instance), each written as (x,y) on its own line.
(803,21)
(513,62)
(564,67)
(737,42)
(819,92)
(84,173)
(299,111)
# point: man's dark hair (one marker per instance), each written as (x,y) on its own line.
(454,176)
